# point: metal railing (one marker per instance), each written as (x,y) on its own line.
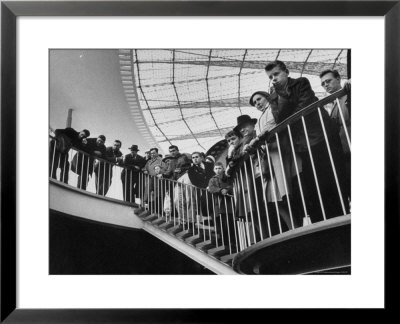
(294,178)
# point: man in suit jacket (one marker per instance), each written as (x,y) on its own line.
(132,163)
(59,148)
(288,97)
(84,162)
(103,169)
(200,174)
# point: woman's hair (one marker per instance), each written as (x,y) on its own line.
(233,133)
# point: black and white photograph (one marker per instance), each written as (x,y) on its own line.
(182,161)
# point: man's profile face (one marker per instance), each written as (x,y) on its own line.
(174,152)
(260,102)
(277,76)
(82,135)
(153,154)
(330,83)
(116,146)
(99,141)
(196,158)
(247,129)
(233,140)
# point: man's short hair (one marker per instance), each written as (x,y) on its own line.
(334,72)
(219,164)
(173,147)
(232,133)
(102,137)
(199,153)
(154,149)
(276,63)
(86,132)
(118,141)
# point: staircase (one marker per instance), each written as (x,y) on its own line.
(202,238)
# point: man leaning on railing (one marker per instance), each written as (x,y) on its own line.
(315,140)
(59,148)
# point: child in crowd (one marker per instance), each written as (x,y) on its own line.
(156,187)
(221,188)
(234,141)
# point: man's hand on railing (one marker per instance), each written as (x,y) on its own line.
(224,192)
(347,85)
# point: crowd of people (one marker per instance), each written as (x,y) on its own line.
(300,172)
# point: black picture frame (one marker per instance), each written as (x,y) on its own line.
(10,10)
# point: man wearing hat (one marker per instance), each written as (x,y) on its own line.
(132,163)
(59,148)
(246,127)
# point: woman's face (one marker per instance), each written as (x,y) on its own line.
(233,140)
(260,102)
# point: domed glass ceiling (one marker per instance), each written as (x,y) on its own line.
(192,97)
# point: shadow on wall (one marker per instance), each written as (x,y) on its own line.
(85,247)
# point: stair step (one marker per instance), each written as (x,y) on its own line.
(218,251)
(175,229)
(138,210)
(159,221)
(165,226)
(150,218)
(227,259)
(144,213)
(184,234)
(206,245)
(194,239)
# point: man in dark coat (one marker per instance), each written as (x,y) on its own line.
(103,169)
(82,163)
(200,174)
(59,148)
(132,163)
(288,97)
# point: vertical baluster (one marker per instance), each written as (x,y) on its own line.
(192,208)
(215,220)
(54,155)
(187,205)
(332,162)
(313,167)
(244,204)
(264,189)
(255,194)
(220,218)
(298,176)
(227,224)
(273,187)
(343,123)
(234,224)
(284,180)
(208,212)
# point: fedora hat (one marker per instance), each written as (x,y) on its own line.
(263,93)
(243,119)
(134,148)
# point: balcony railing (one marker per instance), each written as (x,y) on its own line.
(296,175)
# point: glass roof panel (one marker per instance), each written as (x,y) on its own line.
(192,97)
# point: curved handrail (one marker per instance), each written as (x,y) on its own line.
(267,135)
